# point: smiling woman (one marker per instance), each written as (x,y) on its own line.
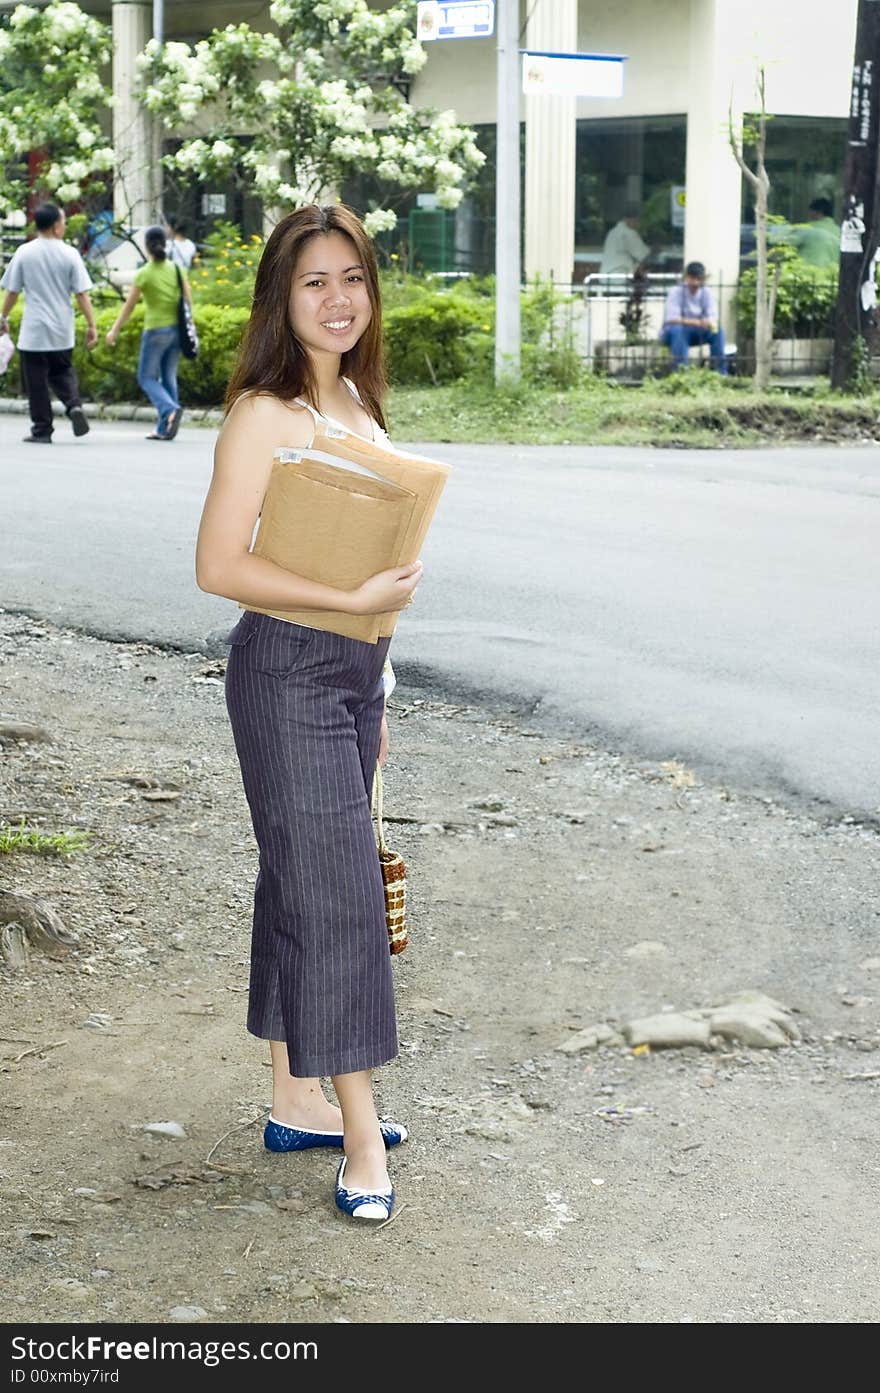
(316,294)
(307,703)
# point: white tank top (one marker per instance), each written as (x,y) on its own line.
(378,436)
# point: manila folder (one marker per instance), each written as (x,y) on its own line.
(339,511)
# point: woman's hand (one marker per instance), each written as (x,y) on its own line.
(386,591)
(383,740)
(112,335)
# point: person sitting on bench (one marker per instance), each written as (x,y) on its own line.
(691,317)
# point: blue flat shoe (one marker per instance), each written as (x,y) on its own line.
(277,1137)
(363,1204)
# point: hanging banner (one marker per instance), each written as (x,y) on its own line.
(572,74)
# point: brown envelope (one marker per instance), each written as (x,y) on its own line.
(339,526)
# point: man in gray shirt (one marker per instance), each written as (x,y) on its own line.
(49,272)
(691,318)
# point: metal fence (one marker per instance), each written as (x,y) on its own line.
(614,323)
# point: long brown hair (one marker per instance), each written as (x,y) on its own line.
(272,359)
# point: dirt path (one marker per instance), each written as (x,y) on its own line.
(684,1185)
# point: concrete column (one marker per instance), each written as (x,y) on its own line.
(550,152)
(714,185)
(133,195)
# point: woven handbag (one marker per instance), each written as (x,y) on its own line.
(393,869)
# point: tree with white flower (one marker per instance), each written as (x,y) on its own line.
(52,99)
(291,115)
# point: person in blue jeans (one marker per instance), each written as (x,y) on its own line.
(158,284)
(691,317)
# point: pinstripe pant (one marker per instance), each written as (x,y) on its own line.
(306,708)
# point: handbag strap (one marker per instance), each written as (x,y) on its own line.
(376,805)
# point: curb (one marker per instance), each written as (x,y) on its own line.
(117,411)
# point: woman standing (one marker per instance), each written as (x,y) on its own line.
(307,707)
(160,287)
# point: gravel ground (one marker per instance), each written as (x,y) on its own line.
(552,886)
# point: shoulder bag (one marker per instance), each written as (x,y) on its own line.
(186,326)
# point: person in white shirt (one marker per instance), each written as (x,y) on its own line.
(49,272)
(179,248)
(691,317)
(624,253)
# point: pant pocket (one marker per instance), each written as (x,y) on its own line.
(280,647)
(243,631)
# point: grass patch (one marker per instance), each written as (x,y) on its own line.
(24,838)
(701,414)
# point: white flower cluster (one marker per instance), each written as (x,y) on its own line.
(296,195)
(191,157)
(352,147)
(379,220)
(67,177)
(66,22)
(185,81)
(287,13)
(316,99)
(22,15)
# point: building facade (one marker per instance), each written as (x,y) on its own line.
(662,147)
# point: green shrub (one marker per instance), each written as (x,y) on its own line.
(203,381)
(805,301)
(696,382)
(428,341)
(224,274)
(435,333)
(110,374)
(454,329)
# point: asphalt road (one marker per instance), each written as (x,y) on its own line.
(719,607)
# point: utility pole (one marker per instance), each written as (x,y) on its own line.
(157,172)
(508,257)
(856,295)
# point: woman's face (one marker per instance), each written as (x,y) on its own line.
(329,305)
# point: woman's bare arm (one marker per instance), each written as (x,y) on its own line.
(253,430)
(124,315)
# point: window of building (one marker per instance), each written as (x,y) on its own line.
(805,160)
(625,162)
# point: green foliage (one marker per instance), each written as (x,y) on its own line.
(431,339)
(697,382)
(436,335)
(805,300)
(601,412)
(24,838)
(110,374)
(224,275)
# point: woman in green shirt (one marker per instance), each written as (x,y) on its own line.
(158,285)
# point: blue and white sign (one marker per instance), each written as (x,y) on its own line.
(572,74)
(455,19)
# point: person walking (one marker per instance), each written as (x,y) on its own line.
(160,283)
(307,707)
(691,318)
(49,272)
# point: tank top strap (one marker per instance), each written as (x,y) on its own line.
(323,423)
(315,415)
